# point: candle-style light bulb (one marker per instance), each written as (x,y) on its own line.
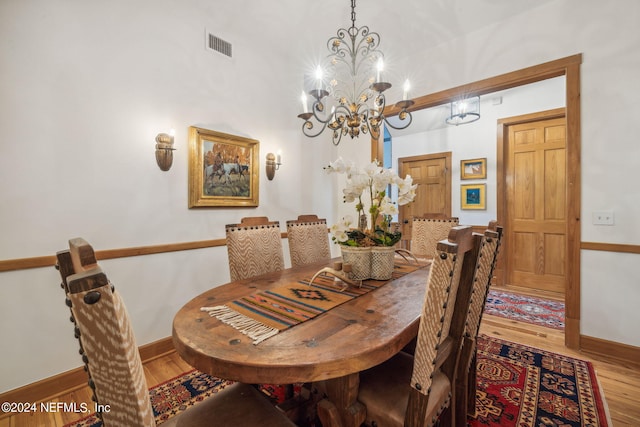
(406,87)
(319,77)
(379,68)
(303,98)
(279,157)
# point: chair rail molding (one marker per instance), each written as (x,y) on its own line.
(50,261)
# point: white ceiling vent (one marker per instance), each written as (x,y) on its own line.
(215,43)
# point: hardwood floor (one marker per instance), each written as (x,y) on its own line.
(621,384)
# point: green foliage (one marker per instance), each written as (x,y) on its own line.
(384,238)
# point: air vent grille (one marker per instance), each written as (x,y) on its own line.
(217,44)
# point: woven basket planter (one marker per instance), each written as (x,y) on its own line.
(382,262)
(360,260)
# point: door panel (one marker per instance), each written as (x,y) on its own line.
(535,168)
(432,173)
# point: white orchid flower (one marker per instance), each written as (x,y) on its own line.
(339,229)
(372,169)
(358,183)
(346,221)
(351,194)
(406,185)
(407,197)
(387,207)
(338,166)
(369,184)
(383,179)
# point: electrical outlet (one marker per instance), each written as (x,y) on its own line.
(603,218)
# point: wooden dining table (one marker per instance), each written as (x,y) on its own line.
(331,348)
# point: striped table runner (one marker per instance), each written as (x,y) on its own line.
(266,313)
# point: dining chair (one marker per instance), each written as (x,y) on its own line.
(254,247)
(427,231)
(418,390)
(308,240)
(466,370)
(116,374)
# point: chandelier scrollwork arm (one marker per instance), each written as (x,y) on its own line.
(357,96)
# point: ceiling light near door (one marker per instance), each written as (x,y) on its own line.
(464,111)
(354,87)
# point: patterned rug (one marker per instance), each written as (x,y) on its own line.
(523,386)
(537,311)
(516,386)
(172,397)
(264,314)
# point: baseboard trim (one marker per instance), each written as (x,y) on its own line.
(75,378)
(623,353)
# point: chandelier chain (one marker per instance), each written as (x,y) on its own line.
(353,13)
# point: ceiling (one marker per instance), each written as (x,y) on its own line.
(403,25)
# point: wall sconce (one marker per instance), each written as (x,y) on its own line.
(273,164)
(164,150)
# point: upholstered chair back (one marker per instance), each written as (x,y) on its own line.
(437,311)
(485,266)
(308,240)
(415,390)
(254,248)
(466,369)
(427,231)
(116,375)
(108,344)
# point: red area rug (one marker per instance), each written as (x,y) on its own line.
(537,311)
(517,386)
(524,386)
(171,397)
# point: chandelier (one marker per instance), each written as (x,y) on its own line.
(355,88)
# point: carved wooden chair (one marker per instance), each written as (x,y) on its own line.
(109,350)
(308,240)
(254,247)
(427,231)
(466,376)
(416,390)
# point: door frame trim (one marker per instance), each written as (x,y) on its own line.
(570,68)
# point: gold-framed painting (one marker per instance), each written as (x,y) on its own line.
(473,169)
(473,196)
(223,169)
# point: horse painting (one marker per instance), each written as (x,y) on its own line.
(223,171)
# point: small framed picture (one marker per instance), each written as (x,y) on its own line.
(473,169)
(223,169)
(473,196)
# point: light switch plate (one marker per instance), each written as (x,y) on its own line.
(602,218)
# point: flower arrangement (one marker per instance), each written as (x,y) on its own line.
(370,185)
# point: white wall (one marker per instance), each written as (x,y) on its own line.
(84,89)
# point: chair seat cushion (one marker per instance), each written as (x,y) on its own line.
(236,405)
(384,390)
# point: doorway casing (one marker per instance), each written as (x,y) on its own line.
(570,68)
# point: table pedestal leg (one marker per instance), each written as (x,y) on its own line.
(341,408)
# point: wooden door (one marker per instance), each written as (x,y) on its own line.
(432,173)
(536,183)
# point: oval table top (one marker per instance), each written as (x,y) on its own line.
(349,338)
